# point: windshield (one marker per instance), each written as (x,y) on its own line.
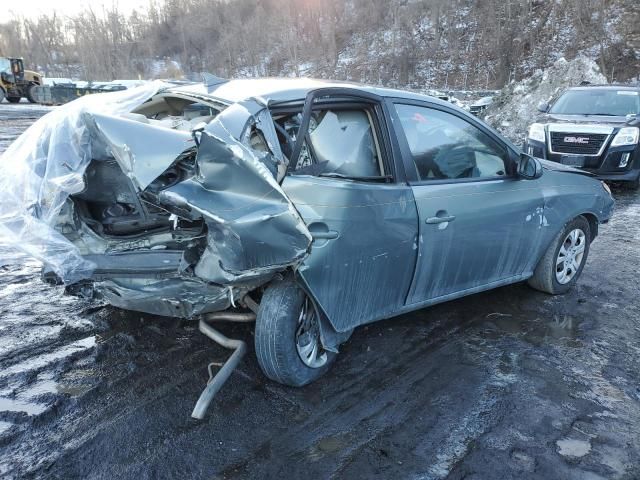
(5,65)
(598,102)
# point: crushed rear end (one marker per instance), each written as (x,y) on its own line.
(123,200)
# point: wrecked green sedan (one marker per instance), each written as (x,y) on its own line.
(310,207)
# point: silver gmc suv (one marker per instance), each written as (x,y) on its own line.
(594,127)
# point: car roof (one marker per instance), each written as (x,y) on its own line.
(290,89)
(283,90)
(606,87)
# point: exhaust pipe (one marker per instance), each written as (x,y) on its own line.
(215,382)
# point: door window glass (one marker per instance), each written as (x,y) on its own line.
(444,146)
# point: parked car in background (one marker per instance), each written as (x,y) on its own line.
(592,127)
(480,105)
(323,206)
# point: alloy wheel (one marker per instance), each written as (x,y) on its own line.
(308,341)
(570,256)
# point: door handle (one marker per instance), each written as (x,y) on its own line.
(330,235)
(434,220)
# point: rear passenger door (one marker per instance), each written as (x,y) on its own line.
(363,221)
(478,221)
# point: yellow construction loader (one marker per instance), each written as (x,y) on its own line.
(16,82)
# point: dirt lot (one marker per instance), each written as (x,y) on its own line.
(511,383)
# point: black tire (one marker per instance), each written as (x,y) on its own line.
(13,99)
(544,277)
(30,96)
(276,330)
(633,184)
(2,94)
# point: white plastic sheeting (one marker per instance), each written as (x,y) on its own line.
(43,167)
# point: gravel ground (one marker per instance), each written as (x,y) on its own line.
(510,383)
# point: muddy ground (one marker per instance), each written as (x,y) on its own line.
(510,383)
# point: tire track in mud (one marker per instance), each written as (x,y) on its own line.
(388,376)
(256,377)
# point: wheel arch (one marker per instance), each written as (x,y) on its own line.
(593,224)
(590,217)
(330,337)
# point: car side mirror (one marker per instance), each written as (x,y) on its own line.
(543,107)
(529,167)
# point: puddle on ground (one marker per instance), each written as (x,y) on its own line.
(572,447)
(328,446)
(73,390)
(51,386)
(558,330)
(73,383)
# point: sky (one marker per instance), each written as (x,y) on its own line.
(35,8)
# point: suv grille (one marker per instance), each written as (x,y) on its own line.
(577,143)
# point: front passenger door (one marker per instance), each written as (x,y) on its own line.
(478,221)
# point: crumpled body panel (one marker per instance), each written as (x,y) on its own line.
(253,228)
(143,151)
(221,229)
(172,297)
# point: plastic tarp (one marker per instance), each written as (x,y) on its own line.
(43,167)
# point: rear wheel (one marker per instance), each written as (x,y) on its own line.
(1,95)
(13,99)
(562,263)
(287,336)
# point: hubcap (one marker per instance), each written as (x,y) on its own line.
(570,256)
(308,341)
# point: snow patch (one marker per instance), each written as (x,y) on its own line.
(515,107)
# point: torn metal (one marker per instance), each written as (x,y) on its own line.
(162,202)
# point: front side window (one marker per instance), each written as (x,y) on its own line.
(446,147)
(341,142)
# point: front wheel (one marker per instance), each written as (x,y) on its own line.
(633,184)
(287,336)
(562,263)
(30,93)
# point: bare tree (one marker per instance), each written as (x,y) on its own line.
(412,43)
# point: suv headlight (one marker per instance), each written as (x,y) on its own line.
(626,136)
(536,132)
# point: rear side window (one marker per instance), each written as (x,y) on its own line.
(446,147)
(339,141)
